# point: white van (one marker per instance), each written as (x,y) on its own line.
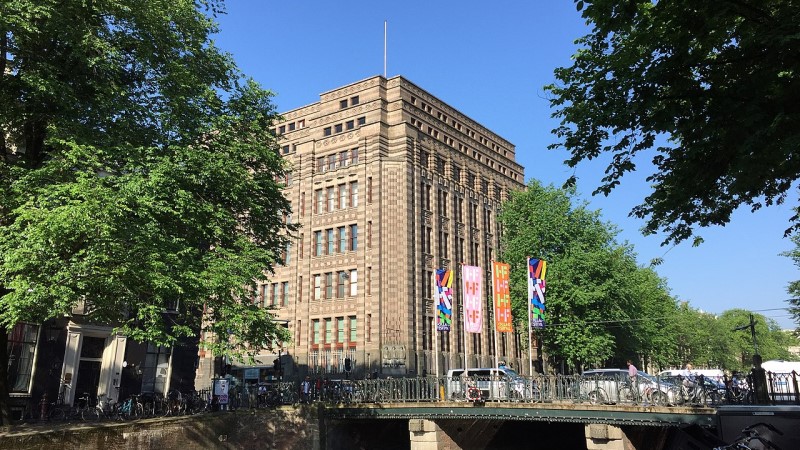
(495,383)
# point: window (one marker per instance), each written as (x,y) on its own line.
(331,162)
(330,240)
(353,237)
(329,285)
(302,204)
(317,243)
(340,329)
(282,129)
(354,155)
(362,121)
(328,331)
(317,287)
(320,203)
(353,329)
(369,328)
(342,196)
(321,164)
(285,297)
(285,149)
(440,165)
(350,124)
(354,194)
(276,293)
(265,295)
(337,128)
(316,330)
(369,190)
(331,198)
(326,131)
(353,282)
(342,239)
(21,349)
(369,234)
(342,104)
(368,280)
(301,123)
(341,279)
(344,159)
(354,100)
(299,295)
(423,158)
(287,254)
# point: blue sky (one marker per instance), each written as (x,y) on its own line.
(490,60)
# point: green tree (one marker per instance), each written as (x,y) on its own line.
(713,78)
(137,169)
(739,346)
(794,287)
(593,291)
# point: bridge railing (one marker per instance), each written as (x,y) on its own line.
(555,388)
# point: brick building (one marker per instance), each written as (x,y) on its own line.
(388,183)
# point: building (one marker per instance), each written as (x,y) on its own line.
(388,183)
(64,359)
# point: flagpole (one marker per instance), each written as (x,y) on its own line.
(494,316)
(530,328)
(435,325)
(464,316)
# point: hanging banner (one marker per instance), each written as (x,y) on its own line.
(537,269)
(471,283)
(444,299)
(502,297)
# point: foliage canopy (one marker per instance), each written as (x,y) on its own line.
(719,79)
(138,172)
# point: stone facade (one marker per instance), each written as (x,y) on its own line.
(388,183)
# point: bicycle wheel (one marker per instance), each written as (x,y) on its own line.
(597,397)
(659,398)
(628,395)
(92,413)
(56,413)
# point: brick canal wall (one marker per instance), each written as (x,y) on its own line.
(280,429)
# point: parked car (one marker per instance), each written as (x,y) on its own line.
(614,386)
(495,383)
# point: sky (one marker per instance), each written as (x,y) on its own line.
(490,60)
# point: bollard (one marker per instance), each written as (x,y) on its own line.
(43,408)
(441,392)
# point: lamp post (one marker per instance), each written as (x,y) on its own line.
(759,374)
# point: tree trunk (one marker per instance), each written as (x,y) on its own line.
(5,408)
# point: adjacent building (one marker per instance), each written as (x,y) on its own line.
(388,183)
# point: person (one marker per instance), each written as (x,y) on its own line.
(632,371)
(689,377)
(306,390)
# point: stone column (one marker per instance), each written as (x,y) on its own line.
(423,434)
(605,437)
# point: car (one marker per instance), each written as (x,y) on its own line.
(614,386)
(495,383)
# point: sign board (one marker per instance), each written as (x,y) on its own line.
(251,374)
(221,390)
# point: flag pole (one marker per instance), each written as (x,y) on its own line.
(435,325)
(494,316)
(385,26)
(530,328)
(464,316)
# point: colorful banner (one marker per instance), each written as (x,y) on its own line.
(471,282)
(444,299)
(537,269)
(502,297)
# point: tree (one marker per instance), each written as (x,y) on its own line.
(137,171)
(794,287)
(595,292)
(739,346)
(715,78)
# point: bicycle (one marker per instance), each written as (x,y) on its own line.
(131,408)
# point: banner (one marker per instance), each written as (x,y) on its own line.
(444,299)
(537,269)
(502,297)
(471,281)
